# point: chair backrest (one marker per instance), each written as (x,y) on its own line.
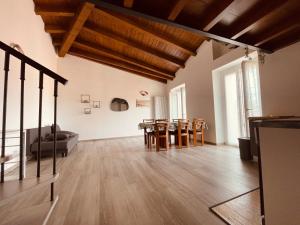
(183,125)
(161,121)
(148,120)
(161,128)
(198,123)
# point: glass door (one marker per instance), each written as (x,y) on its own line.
(242,99)
(233,104)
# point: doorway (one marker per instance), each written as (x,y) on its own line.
(236,97)
(233,107)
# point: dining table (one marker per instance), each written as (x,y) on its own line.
(172,127)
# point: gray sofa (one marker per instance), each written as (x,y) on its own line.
(66,141)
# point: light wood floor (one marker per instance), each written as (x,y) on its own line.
(119,182)
(244,210)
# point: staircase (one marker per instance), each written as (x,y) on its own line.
(13,190)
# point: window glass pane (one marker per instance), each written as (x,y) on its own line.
(178,102)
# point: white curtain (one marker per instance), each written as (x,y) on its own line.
(160,107)
(252,88)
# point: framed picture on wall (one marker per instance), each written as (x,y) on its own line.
(96,104)
(143,103)
(87,111)
(85,99)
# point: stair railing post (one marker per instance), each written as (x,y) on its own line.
(21,165)
(40,124)
(6,69)
(54,136)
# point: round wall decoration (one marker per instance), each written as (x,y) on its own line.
(144,93)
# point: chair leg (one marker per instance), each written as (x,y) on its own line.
(180,141)
(145,136)
(167,142)
(187,141)
(202,137)
(148,142)
(195,138)
(157,144)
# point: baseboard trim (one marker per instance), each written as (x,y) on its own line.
(210,143)
(111,138)
(133,136)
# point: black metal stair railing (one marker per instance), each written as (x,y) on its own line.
(42,71)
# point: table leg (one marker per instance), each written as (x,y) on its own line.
(145,136)
(202,136)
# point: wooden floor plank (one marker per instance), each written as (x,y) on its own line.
(244,210)
(119,182)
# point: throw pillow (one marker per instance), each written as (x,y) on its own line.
(59,137)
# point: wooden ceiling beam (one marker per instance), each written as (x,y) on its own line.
(275,31)
(150,31)
(252,17)
(214,14)
(177,8)
(285,39)
(53,11)
(56,42)
(101,50)
(129,12)
(54,29)
(78,22)
(128,3)
(117,64)
(276,34)
(134,45)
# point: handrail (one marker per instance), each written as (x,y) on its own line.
(42,71)
(32,63)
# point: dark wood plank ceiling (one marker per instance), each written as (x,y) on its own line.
(111,33)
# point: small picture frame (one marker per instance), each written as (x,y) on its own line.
(96,104)
(87,111)
(85,99)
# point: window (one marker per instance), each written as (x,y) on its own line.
(178,102)
(236,98)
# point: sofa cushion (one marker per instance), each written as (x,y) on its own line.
(69,133)
(59,136)
(57,128)
(61,145)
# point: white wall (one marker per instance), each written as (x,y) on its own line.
(197,76)
(19,24)
(102,83)
(280,82)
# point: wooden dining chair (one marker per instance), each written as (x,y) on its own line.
(161,135)
(173,131)
(146,130)
(197,129)
(183,132)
